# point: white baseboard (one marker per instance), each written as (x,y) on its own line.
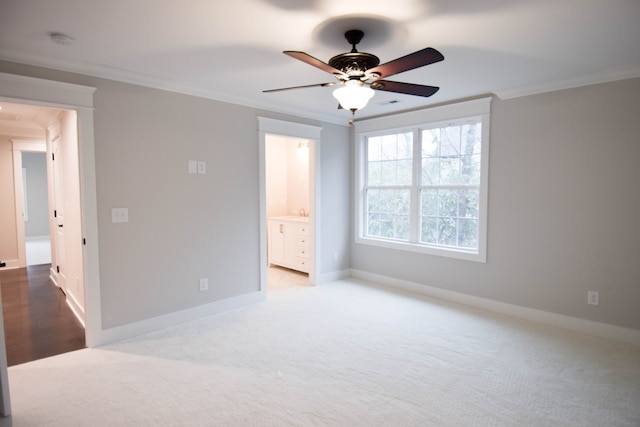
(171,319)
(76,308)
(36,238)
(11,264)
(332,276)
(603,330)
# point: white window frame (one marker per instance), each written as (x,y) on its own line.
(412,121)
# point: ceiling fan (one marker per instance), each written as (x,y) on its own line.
(360,74)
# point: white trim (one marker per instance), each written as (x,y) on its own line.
(10,264)
(45,92)
(108,73)
(76,310)
(32,91)
(295,130)
(171,319)
(34,238)
(478,108)
(631,72)
(281,127)
(452,111)
(603,330)
(268,104)
(333,276)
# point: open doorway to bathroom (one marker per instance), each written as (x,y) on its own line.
(288,210)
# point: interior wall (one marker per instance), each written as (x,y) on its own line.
(298,177)
(183,227)
(563,209)
(287,173)
(276,172)
(37,194)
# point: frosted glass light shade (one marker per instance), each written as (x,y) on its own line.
(353,97)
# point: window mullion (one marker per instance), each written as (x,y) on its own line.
(415,188)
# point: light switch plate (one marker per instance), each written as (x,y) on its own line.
(119,215)
(202,167)
(193,166)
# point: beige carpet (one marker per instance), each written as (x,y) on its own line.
(343,354)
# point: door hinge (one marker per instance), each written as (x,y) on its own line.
(55,213)
(57,269)
(53,156)
(84,241)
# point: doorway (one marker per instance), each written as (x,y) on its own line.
(297,231)
(35,207)
(59,214)
(288,194)
(40,92)
(47,226)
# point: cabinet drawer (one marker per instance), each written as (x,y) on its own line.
(302,265)
(301,252)
(302,230)
(302,241)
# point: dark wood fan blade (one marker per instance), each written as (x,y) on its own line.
(414,60)
(304,57)
(301,87)
(406,88)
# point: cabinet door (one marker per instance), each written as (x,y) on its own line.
(290,245)
(276,242)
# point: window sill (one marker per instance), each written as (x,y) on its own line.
(424,249)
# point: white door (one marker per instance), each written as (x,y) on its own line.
(59,212)
(276,243)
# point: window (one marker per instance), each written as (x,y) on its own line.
(423,186)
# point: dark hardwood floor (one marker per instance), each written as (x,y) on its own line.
(38,323)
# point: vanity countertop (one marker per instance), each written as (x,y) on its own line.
(296,218)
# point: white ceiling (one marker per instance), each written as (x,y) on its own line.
(232,50)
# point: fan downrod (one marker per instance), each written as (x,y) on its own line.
(354,37)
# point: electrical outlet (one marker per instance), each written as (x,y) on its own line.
(593,298)
(204,284)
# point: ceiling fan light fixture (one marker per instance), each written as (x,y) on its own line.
(353,95)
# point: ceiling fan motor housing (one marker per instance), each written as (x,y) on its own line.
(354,64)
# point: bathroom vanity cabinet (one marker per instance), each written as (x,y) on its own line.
(288,242)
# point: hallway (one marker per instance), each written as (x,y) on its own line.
(38,323)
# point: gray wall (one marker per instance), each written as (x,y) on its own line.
(185,227)
(37,200)
(564,197)
(563,203)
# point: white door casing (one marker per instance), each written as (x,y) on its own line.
(59,208)
(268,126)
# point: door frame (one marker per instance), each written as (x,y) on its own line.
(67,96)
(268,126)
(33,91)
